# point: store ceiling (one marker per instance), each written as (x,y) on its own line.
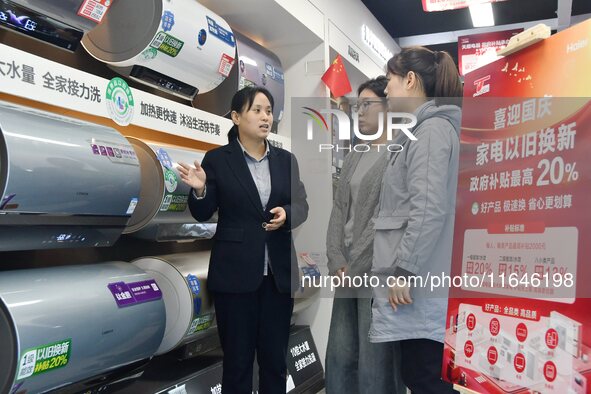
(408,24)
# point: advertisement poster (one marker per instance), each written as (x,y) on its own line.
(477,50)
(523,224)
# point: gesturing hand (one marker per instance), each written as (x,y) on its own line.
(279,217)
(193,176)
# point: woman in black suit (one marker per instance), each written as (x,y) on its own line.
(256,190)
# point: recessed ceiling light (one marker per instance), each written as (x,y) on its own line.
(482,15)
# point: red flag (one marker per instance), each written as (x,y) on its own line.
(336,78)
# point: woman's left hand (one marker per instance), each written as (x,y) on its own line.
(399,295)
(279,217)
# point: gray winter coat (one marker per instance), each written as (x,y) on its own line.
(414,225)
(361,251)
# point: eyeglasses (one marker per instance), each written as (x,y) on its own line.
(362,106)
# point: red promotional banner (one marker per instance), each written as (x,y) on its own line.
(478,50)
(444,5)
(523,224)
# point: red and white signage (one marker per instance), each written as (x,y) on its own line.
(477,50)
(94,10)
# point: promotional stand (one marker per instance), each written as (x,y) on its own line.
(520,321)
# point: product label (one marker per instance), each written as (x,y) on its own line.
(94,10)
(226,64)
(201,323)
(127,294)
(174,203)
(132,205)
(221,33)
(119,101)
(167,44)
(44,358)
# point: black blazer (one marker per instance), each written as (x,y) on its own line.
(238,253)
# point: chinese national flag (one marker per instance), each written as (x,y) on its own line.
(336,78)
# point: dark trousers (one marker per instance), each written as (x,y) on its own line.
(421,366)
(254,322)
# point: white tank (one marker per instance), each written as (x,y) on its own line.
(162,213)
(177,46)
(64,182)
(64,326)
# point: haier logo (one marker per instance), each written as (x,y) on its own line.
(575,46)
(481,87)
(395,121)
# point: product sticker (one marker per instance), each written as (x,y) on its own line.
(167,20)
(44,359)
(170,180)
(226,64)
(194,284)
(115,152)
(149,54)
(94,10)
(200,323)
(132,205)
(127,294)
(167,44)
(164,158)
(174,203)
(166,202)
(221,33)
(119,100)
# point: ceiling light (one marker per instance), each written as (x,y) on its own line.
(482,15)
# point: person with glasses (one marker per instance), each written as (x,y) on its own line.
(415,222)
(353,364)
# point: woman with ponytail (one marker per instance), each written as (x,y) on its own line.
(415,219)
(256,190)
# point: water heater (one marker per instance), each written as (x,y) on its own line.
(162,213)
(177,46)
(256,65)
(64,182)
(76,325)
(189,307)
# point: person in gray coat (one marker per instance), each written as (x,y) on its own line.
(353,364)
(415,220)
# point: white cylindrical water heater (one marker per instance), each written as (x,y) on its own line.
(162,213)
(63,325)
(177,46)
(189,308)
(64,182)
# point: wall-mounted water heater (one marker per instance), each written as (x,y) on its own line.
(162,213)
(177,46)
(77,325)
(64,182)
